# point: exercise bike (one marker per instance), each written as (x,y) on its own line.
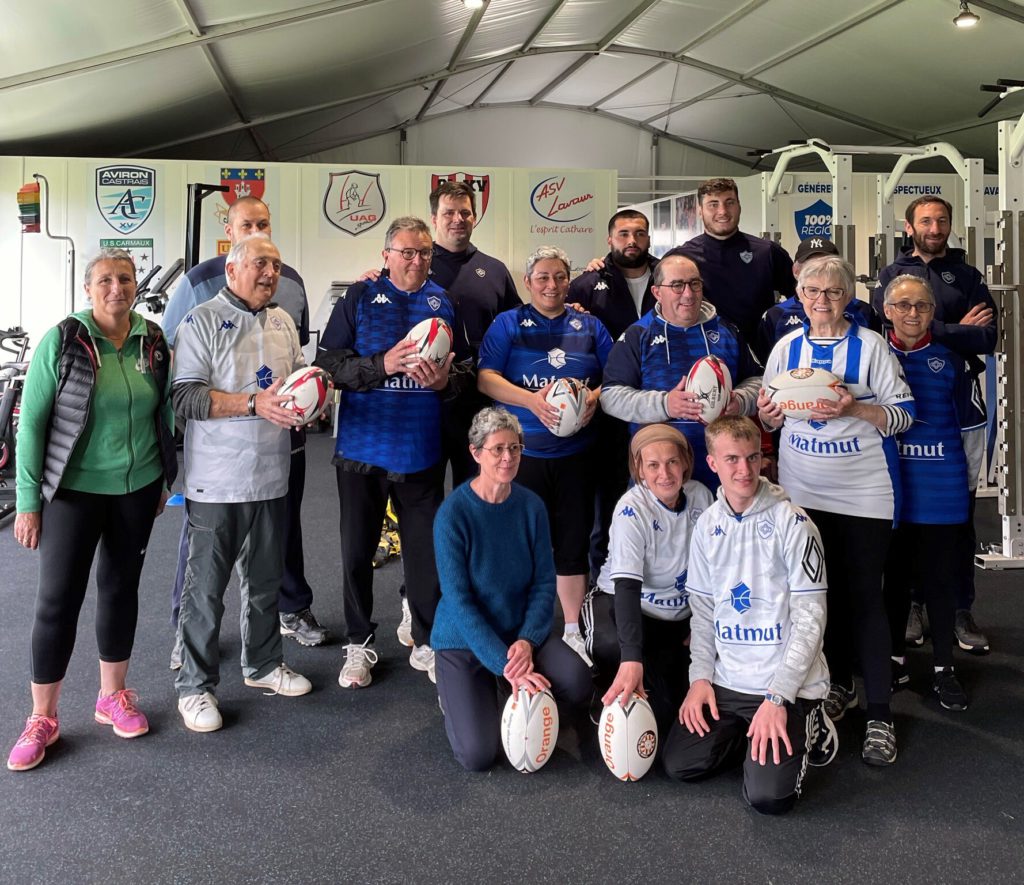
(12,380)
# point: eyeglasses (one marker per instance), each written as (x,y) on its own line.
(902,307)
(514,450)
(410,254)
(813,293)
(679,286)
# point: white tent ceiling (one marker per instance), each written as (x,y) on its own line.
(283,80)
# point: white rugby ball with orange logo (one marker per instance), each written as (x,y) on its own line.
(797,391)
(529,729)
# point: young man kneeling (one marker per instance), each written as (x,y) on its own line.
(757,593)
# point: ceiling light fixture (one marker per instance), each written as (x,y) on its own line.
(473,4)
(966,18)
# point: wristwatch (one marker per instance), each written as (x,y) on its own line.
(776,699)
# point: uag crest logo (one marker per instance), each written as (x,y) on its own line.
(125,196)
(354,201)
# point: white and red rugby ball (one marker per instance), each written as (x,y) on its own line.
(310,388)
(569,396)
(433,338)
(529,729)
(628,737)
(797,390)
(710,380)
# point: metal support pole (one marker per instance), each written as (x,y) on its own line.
(194,222)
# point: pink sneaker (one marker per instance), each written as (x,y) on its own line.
(118,709)
(40,731)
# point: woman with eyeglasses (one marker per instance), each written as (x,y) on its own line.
(492,628)
(525,351)
(841,466)
(927,553)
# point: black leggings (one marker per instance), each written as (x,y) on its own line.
(857,628)
(73,525)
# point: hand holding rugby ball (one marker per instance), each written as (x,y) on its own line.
(309,387)
(628,737)
(797,391)
(433,339)
(529,729)
(569,396)
(710,382)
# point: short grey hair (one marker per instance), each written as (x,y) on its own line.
(406,222)
(542,253)
(909,278)
(493,419)
(107,255)
(829,267)
(240,249)
(659,269)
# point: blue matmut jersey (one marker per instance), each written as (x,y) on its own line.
(396,425)
(530,350)
(933,466)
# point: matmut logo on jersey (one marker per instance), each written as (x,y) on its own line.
(354,201)
(739,633)
(125,196)
(558,198)
(824,448)
(479,184)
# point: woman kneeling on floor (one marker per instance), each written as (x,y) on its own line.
(494,620)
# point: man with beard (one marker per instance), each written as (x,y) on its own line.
(964,321)
(618,293)
(741,272)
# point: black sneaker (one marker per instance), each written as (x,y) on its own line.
(900,676)
(879,743)
(303,627)
(822,738)
(950,692)
(839,700)
(968,636)
(917,625)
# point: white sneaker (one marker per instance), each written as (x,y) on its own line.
(200,712)
(359,660)
(404,630)
(578,644)
(422,658)
(282,680)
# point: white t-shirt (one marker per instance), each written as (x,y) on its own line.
(650,543)
(638,288)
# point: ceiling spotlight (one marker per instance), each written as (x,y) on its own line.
(478,4)
(966,18)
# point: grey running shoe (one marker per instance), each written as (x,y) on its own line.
(404,630)
(968,636)
(839,700)
(916,626)
(303,627)
(822,738)
(949,691)
(879,743)
(576,642)
(359,660)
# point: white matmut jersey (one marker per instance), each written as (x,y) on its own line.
(227,347)
(845,465)
(757,597)
(650,543)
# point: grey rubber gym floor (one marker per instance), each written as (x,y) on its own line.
(360,786)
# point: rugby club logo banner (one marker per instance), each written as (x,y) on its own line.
(125,196)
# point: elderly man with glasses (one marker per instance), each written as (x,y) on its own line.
(645,379)
(389,437)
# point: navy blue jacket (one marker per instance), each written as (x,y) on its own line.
(605,293)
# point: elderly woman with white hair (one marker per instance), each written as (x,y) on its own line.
(840,465)
(493,623)
(525,351)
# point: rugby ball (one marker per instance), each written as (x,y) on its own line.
(310,388)
(710,381)
(433,339)
(569,396)
(628,737)
(529,729)
(797,390)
